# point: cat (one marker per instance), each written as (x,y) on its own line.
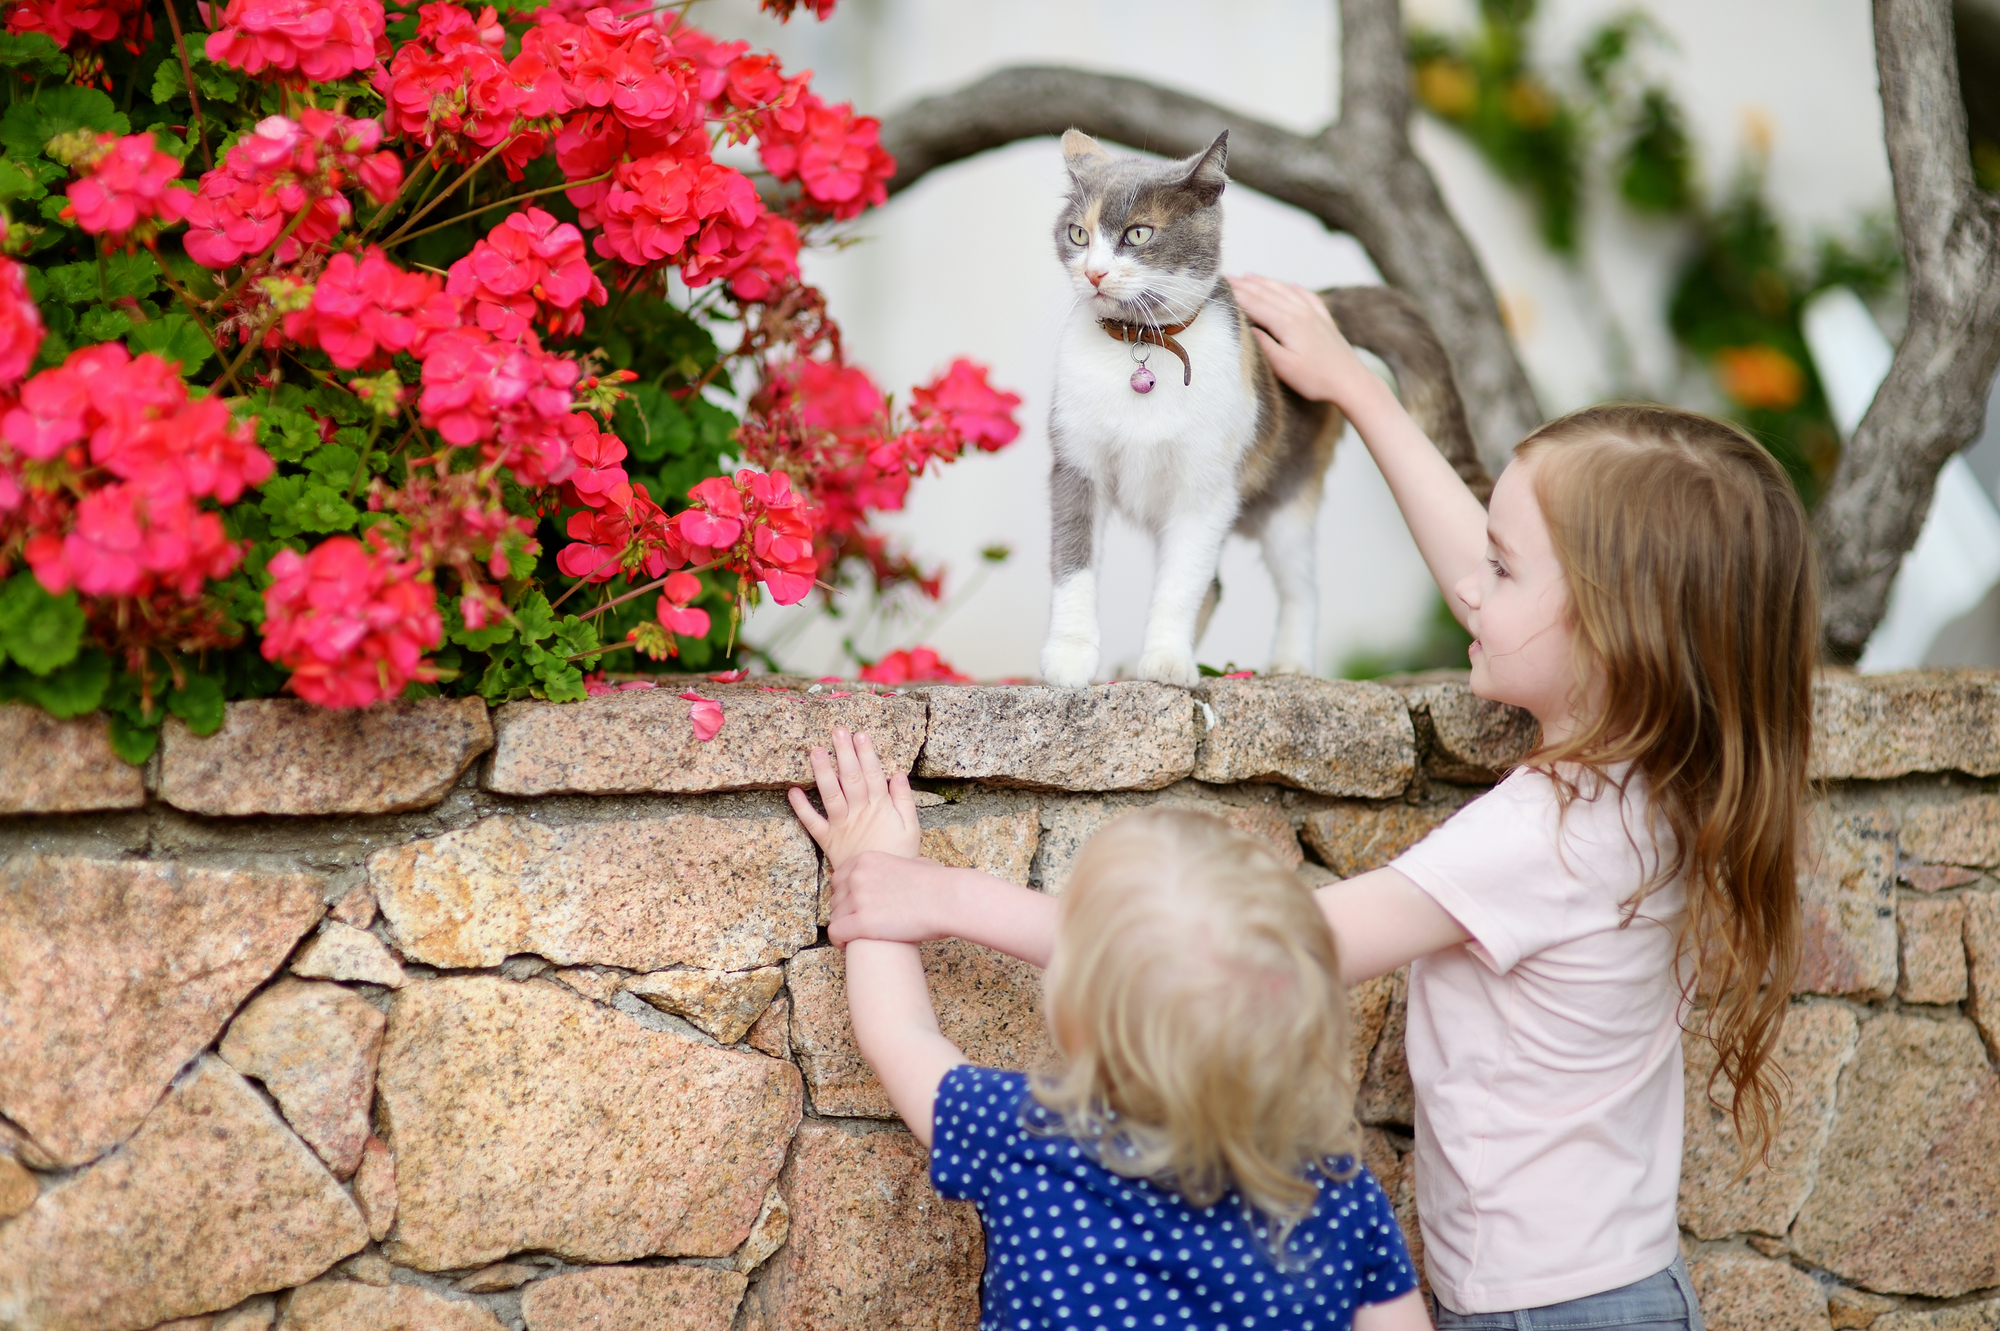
(1166,411)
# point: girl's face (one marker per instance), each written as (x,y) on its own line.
(1518,600)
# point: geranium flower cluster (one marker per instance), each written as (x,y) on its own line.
(350,621)
(77,23)
(833,426)
(531,269)
(313,41)
(284,184)
(112,470)
(123,183)
(363,309)
(916,665)
(137,454)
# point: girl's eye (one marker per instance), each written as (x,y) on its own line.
(1499,569)
(1138,235)
(1077,235)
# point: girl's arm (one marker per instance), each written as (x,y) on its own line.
(1382,921)
(889,1003)
(1307,350)
(913,900)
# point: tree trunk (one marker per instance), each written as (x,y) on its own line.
(1934,398)
(1360,175)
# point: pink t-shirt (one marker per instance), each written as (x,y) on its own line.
(1546,1052)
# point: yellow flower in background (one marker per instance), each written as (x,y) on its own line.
(1760,377)
(1529,104)
(1447,88)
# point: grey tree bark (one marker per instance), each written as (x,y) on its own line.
(1359,175)
(1932,403)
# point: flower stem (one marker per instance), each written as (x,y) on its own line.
(382,213)
(194,97)
(655,585)
(489,207)
(403,232)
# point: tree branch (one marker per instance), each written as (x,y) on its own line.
(1359,176)
(1933,400)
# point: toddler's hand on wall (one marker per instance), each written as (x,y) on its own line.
(865,810)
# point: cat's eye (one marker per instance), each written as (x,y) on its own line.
(1138,235)
(1077,235)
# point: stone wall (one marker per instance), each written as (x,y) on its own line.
(419,1018)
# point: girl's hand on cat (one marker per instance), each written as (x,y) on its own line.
(865,810)
(1300,339)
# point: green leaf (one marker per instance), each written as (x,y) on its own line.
(31,122)
(74,283)
(102,323)
(173,337)
(28,180)
(132,741)
(199,703)
(559,680)
(130,273)
(537,620)
(216,82)
(286,433)
(507,676)
(297,504)
(652,424)
(575,636)
(34,52)
(334,463)
(38,630)
(69,690)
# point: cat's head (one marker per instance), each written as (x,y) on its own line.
(1142,241)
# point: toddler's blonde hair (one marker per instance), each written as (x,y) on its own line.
(1196,995)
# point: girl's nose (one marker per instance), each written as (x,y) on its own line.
(1467,592)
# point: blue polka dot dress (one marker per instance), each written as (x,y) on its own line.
(1071,1245)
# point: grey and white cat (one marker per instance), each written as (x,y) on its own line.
(1166,411)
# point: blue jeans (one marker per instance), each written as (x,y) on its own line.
(1662,1302)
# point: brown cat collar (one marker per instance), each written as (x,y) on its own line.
(1159,335)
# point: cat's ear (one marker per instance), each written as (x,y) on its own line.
(1206,177)
(1079,149)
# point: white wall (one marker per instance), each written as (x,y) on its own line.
(962,265)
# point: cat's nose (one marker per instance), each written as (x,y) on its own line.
(1097,275)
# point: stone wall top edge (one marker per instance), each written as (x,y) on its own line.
(284,757)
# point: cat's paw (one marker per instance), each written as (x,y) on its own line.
(1068,662)
(1170,666)
(1283,667)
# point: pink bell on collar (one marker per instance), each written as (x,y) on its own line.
(1142,380)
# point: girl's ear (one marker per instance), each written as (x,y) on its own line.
(1079,149)
(1206,177)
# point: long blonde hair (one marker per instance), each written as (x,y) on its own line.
(1196,994)
(1694,598)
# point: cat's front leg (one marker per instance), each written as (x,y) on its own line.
(1069,657)
(1190,546)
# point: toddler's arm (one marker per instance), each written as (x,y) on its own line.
(1399,1314)
(889,1003)
(1307,350)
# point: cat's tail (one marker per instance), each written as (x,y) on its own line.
(1388,323)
